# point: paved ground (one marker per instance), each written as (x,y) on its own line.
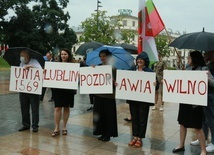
(162,134)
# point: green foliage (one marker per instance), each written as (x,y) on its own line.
(43,28)
(171,68)
(162,45)
(128,36)
(101,28)
(3,64)
(98,28)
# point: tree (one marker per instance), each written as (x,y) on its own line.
(162,43)
(98,28)
(107,30)
(128,36)
(6,5)
(43,28)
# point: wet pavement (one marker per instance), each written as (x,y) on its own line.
(162,131)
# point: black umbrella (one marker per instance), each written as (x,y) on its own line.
(12,56)
(203,41)
(88,46)
(129,48)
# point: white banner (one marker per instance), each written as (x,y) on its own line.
(137,86)
(61,75)
(96,80)
(26,80)
(188,87)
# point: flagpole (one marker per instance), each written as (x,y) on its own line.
(170,40)
(141,25)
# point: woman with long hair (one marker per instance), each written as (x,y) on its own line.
(192,116)
(63,99)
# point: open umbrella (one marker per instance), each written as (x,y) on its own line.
(12,56)
(121,58)
(128,47)
(203,41)
(88,46)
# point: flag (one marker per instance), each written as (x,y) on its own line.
(154,23)
(150,48)
(141,25)
(149,25)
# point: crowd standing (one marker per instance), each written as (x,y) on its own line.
(104,109)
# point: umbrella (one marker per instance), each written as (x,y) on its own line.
(121,58)
(203,41)
(129,48)
(12,56)
(88,46)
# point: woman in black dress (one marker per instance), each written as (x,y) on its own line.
(104,111)
(191,116)
(63,99)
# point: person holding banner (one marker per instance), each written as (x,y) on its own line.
(49,57)
(209,109)
(140,110)
(192,116)
(104,110)
(63,99)
(29,100)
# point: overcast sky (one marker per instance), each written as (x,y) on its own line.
(181,15)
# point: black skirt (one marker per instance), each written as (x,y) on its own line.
(190,116)
(105,117)
(63,97)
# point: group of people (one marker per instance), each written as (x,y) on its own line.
(63,98)
(104,110)
(198,117)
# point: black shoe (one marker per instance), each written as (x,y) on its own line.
(128,120)
(106,139)
(24,128)
(91,108)
(178,150)
(100,138)
(51,100)
(35,129)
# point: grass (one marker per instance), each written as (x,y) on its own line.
(3,64)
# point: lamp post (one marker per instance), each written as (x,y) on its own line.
(97,10)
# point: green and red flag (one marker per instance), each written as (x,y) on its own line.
(154,23)
(150,25)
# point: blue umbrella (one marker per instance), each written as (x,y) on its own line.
(121,59)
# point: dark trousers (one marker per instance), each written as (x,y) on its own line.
(209,118)
(41,97)
(139,113)
(27,101)
(43,93)
(92,98)
(105,117)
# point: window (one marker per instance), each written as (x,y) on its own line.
(124,22)
(133,23)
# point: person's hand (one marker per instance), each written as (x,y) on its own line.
(28,67)
(154,83)
(115,84)
(44,71)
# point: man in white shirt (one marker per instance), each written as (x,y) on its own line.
(29,100)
